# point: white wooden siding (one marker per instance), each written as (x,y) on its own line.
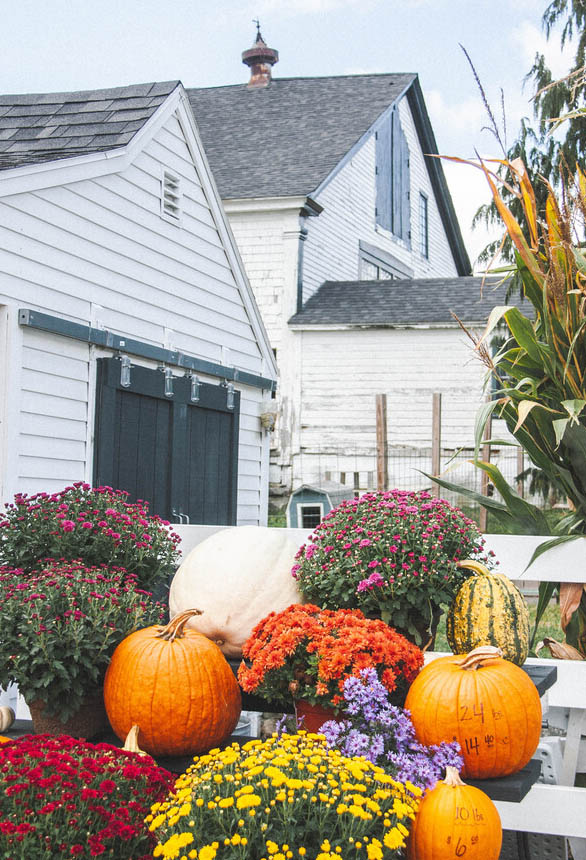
(98,251)
(343,371)
(261,240)
(331,250)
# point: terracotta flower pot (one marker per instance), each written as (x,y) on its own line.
(314,716)
(88,721)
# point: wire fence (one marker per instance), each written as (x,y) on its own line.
(409,468)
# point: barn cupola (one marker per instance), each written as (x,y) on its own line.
(260,60)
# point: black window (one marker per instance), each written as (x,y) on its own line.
(310,516)
(392,178)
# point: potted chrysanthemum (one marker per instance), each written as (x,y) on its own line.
(306,653)
(60,626)
(286,797)
(394,555)
(64,798)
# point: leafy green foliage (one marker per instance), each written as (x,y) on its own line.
(541,366)
(93,524)
(60,626)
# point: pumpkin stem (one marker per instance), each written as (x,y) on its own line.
(174,629)
(475,566)
(131,742)
(452,777)
(480,656)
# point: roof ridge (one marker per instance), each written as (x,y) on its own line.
(276,80)
(102,90)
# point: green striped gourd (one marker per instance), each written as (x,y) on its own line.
(488,610)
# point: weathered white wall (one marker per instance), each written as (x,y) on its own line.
(99,251)
(343,371)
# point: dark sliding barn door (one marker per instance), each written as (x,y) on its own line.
(181,457)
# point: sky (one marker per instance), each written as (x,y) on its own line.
(66,45)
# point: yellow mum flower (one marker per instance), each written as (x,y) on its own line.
(393,839)
(374,850)
(225,802)
(247,800)
(156,822)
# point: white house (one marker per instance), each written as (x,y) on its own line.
(333,179)
(132,352)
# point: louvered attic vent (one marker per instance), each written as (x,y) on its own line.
(171,196)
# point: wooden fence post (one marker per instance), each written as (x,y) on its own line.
(436,441)
(382,451)
(520,469)
(484,481)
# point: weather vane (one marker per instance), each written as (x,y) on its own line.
(257,22)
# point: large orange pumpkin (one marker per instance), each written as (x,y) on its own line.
(176,685)
(455,820)
(487,704)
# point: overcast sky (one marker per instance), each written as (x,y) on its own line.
(61,45)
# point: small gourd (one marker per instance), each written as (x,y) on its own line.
(488,610)
(7,717)
(487,704)
(455,820)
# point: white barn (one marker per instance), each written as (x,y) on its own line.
(328,180)
(132,352)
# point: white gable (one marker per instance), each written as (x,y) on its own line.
(96,250)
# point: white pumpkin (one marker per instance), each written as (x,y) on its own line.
(235,577)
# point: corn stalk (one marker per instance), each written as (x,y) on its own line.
(541,368)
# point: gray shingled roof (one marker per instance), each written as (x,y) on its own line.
(49,126)
(403,302)
(285,139)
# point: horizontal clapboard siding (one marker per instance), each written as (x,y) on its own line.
(401,364)
(262,242)
(331,250)
(98,251)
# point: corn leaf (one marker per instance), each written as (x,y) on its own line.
(545,593)
(495,316)
(574,408)
(528,199)
(515,232)
(525,407)
(570,597)
(524,513)
(524,333)
(559,650)
(496,507)
(574,442)
(559,427)
(482,418)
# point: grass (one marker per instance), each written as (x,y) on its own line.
(548,626)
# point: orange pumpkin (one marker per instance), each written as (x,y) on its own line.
(455,820)
(487,704)
(176,685)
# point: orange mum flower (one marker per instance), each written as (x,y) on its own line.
(313,651)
